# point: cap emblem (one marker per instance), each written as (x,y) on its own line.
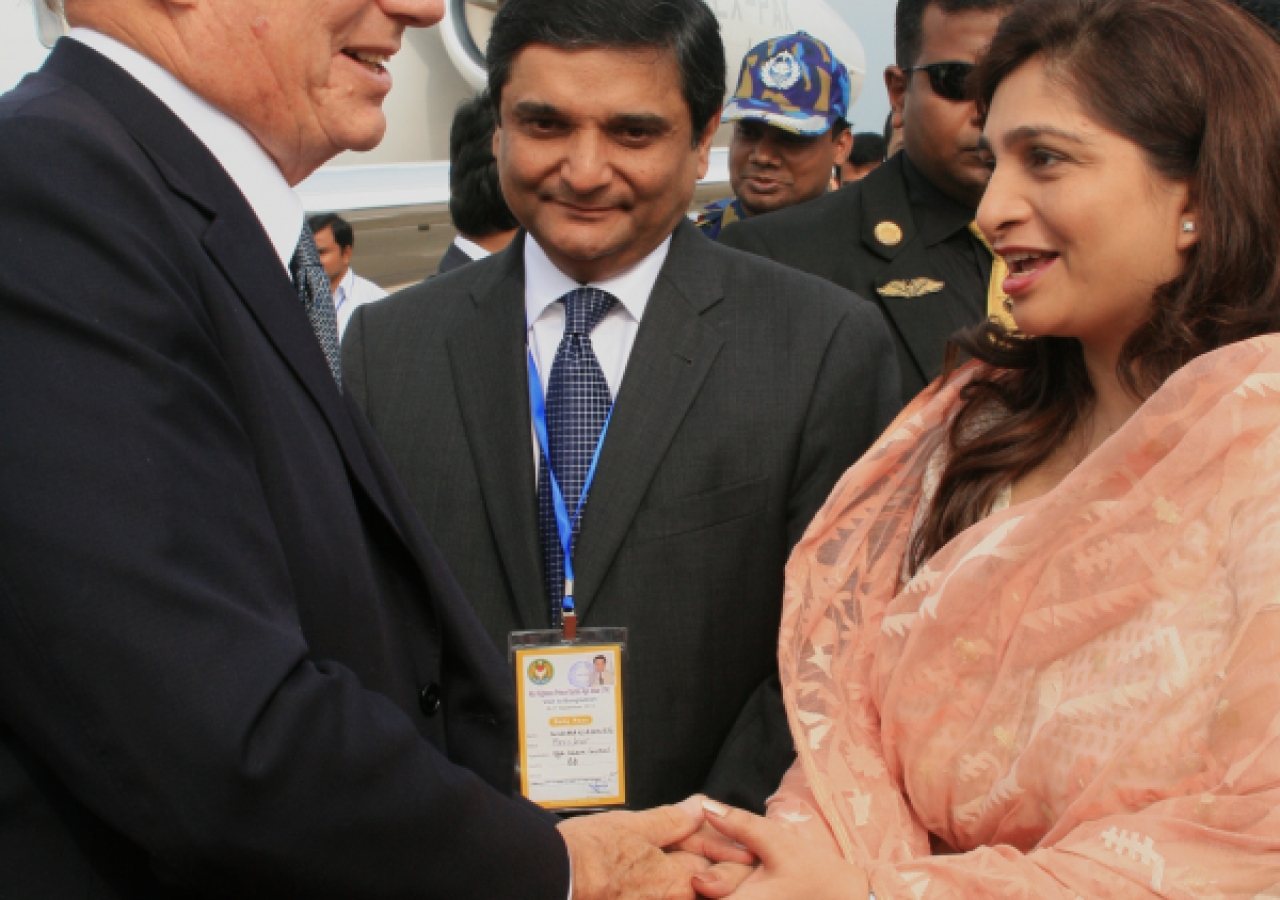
(781,72)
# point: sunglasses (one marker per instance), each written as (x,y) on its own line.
(949,80)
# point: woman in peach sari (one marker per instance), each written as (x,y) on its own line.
(1031,645)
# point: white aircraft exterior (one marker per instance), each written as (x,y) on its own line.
(397,195)
(436,70)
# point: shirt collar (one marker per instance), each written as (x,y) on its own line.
(544,284)
(936,215)
(254,172)
(343,290)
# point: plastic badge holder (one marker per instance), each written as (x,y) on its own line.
(570,694)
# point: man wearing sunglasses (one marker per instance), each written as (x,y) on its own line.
(904,236)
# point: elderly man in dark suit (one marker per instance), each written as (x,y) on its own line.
(904,237)
(743,390)
(232,662)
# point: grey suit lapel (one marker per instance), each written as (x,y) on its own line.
(924,332)
(673,352)
(487,357)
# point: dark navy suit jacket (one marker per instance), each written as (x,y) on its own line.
(232,662)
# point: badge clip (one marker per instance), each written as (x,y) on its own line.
(569,616)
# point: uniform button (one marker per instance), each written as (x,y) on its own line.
(429,699)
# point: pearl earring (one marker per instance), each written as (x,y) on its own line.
(1189,227)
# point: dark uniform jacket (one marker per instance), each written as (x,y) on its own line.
(750,389)
(454,258)
(717,216)
(232,662)
(907,250)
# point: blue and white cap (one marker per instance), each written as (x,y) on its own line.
(793,82)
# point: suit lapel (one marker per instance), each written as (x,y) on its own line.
(487,358)
(254,270)
(234,238)
(673,352)
(884,199)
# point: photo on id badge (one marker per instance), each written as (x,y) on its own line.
(570,695)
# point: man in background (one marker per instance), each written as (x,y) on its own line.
(790,131)
(481,215)
(735,391)
(904,236)
(335,242)
(867,155)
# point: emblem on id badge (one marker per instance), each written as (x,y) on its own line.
(541,671)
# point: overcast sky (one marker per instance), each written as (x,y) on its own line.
(873,21)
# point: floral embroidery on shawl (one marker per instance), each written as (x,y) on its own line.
(1080,693)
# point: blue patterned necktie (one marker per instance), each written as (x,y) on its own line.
(578,403)
(312,285)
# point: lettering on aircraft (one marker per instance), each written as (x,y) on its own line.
(773,14)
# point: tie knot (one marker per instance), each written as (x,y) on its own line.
(584,308)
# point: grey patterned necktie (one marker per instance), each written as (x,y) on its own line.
(312,285)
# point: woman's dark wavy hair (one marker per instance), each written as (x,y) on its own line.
(1195,84)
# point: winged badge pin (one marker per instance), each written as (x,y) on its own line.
(916,287)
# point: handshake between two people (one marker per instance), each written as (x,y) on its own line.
(701,848)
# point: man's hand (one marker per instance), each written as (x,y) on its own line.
(619,855)
(790,866)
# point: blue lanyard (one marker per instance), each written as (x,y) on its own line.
(564,524)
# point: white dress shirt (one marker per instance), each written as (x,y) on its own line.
(611,340)
(254,172)
(352,293)
(471,248)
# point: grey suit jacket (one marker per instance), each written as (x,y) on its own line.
(750,389)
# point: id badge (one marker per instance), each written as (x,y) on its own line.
(570,696)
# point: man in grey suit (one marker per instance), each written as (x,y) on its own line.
(743,390)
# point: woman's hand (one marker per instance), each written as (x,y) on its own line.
(708,843)
(789,866)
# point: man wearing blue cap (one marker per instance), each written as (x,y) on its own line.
(790,129)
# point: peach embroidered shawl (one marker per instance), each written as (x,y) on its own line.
(1081,693)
